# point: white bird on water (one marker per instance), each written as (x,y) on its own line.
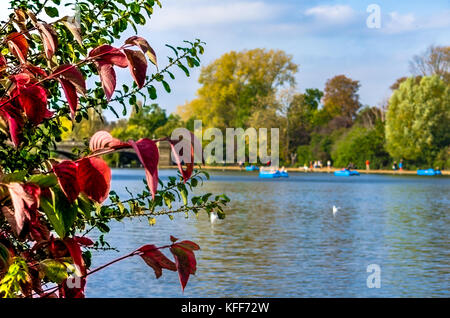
(213,217)
(335,209)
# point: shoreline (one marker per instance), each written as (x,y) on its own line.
(320,170)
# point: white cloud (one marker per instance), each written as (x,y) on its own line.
(398,23)
(331,13)
(211,13)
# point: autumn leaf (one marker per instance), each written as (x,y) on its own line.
(13,115)
(72,74)
(18,45)
(24,198)
(156,260)
(49,39)
(94,178)
(106,54)
(144,46)
(67,174)
(148,154)
(138,66)
(103,140)
(33,100)
(107,78)
(72,81)
(185,262)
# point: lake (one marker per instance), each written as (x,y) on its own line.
(280,239)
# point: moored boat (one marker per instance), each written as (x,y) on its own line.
(429,172)
(346,173)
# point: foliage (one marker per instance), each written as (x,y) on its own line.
(341,98)
(360,144)
(46,203)
(418,119)
(239,84)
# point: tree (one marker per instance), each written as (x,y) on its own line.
(49,206)
(236,85)
(434,61)
(418,118)
(143,122)
(359,144)
(341,98)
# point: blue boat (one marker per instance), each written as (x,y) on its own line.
(284,174)
(252,168)
(429,172)
(346,173)
(269,174)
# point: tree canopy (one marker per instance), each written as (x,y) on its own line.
(418,118)
(238,84)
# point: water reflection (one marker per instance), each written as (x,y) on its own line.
(280,239)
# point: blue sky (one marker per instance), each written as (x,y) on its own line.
(325,38)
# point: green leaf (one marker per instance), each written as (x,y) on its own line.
(44,181)
(51,12)
(166,86)
(13,177)
(55,271)
(59,211)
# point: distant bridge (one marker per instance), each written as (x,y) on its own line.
(64,151)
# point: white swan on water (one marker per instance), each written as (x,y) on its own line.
(335,209)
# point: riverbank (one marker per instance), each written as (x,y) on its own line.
(322,170)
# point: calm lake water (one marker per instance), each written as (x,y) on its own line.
(280,239)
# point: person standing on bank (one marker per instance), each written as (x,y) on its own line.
(367,165)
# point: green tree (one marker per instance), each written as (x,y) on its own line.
(359,144)
(417,120)
(236,85)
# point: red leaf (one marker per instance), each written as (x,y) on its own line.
(34,70)
(49,39)
(2,63)
(82,240)
(71,81)
(69,291)
(148,154)
(71,95)
(156,260)
(144,46)
(189,245)
(75,252)
(18,45)
(103,140)
(106,54)
(33,100)
(13,115)
(72,290)
(108,78)
(67,172)
(94,178)
(138,66)
(185,262)
(72,74)
(25,198)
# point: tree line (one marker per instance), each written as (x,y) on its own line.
(257,88)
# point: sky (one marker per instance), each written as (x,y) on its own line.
(325,38)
